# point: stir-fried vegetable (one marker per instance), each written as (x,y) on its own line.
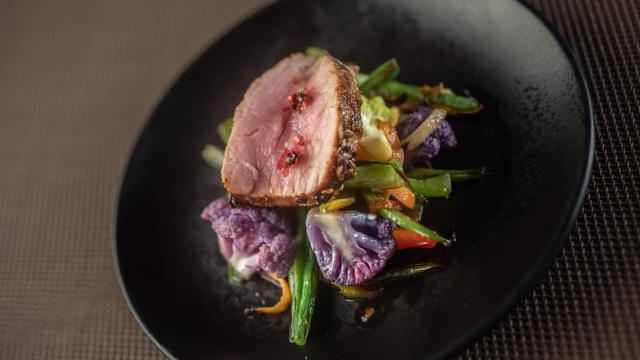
(374,141)
(375,108)
(373,288)
(375,176)
(432,187)
(425,129)
(385,72)
(224,129)
(350,246)
(213,156)
(303,281)
(444,98)
(441,137)
(395,163)
(337,204)
(406,222)
(456,175)
(406,271)
(354,292)
(281,306)
(407,239)
(394,88)
(404,195)
(252,238)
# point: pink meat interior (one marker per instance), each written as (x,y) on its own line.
(262,129)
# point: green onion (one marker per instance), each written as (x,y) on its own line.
(303,281)
(375,176)
(224,130)
(385,72)
(432,187)
(456,175)
(213,155)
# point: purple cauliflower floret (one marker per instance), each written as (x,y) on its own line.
(252,238)
(351,247)
(442,136)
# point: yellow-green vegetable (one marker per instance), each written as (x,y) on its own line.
(374,141)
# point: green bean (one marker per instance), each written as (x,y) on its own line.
(462,104)
(224,130)
(303,281)
(406,222)
(404,272)
(385,72)
(233,276)
(296,272)
(432,187)
(375,176)
(394,88)
(395,163)
(456,175)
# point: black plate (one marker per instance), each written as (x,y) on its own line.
(536,135)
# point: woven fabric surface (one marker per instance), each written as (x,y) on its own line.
(79,78)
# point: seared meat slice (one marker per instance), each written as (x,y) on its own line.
(295,134)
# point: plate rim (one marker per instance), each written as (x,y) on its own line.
(517,295)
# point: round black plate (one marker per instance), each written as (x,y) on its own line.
(536,135)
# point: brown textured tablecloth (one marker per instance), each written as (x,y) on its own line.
(79,78)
